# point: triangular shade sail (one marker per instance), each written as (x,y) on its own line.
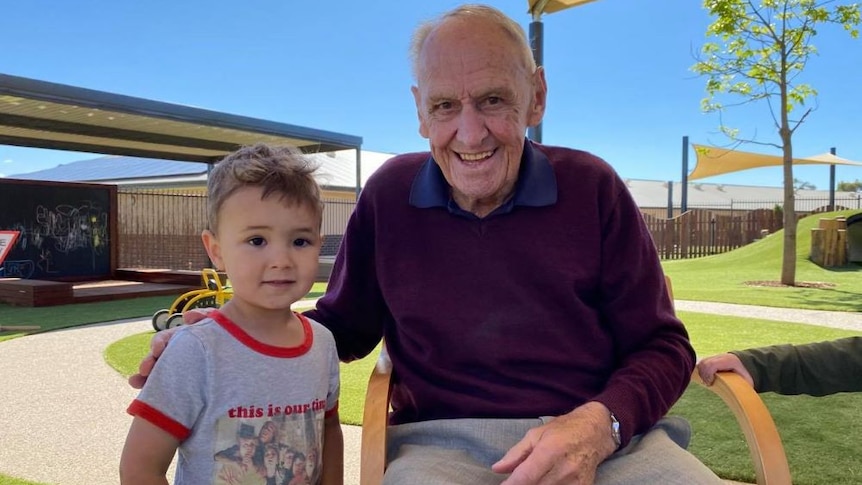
(712,161)
(551,6)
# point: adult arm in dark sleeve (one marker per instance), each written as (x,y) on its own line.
(352,307)
(653,349)
(817,369)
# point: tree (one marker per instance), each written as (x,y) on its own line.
(854,186)
(755,50)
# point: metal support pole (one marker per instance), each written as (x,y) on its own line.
(670,199)
(684,197)
(832,183)
(537,46)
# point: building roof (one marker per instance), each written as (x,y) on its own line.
(41,114)
(654,194)
(337,170)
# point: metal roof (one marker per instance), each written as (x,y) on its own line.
(41,114)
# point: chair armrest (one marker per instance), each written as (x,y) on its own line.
(372,461)
(764,443)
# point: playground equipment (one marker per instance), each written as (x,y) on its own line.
(213,294)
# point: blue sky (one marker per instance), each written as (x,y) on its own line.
(618,71)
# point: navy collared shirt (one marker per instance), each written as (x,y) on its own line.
(536,186)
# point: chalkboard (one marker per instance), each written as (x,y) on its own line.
(65,229)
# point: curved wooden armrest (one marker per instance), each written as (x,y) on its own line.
(764,443)
(374,420)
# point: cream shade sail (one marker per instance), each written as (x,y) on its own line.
(712,161)
(551,6)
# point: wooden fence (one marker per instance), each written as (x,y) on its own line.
(702,232)
(162,229)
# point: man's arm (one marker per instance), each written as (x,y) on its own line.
(816,369)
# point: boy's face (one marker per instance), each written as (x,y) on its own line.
(269,250)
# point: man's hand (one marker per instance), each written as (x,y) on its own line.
(567,450)
(159,342)
(722,362)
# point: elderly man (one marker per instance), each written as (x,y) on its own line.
(517,289)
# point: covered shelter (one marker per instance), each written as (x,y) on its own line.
(40,114)
(55,116)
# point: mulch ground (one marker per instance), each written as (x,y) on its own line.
(799,284)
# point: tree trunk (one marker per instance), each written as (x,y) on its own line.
(788,258)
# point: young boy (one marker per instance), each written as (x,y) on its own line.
(254,374)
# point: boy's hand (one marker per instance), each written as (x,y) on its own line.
(158,344)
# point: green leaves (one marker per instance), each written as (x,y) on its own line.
(756,50)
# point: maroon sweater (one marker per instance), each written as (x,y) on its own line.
(550,302)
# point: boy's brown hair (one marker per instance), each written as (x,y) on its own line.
(279,170)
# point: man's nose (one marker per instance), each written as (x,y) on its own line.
(471,126)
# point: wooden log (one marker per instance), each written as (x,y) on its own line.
(841,248)
(816,253)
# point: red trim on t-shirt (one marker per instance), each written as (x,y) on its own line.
(159,419)
(330,412)
(271,350)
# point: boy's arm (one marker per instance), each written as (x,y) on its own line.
(333,451)
(147,454)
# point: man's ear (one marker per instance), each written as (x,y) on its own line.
(417,98)
(539,98)
(213,248)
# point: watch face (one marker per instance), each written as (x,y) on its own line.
(615,430)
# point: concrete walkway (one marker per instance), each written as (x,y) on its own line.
(62,408)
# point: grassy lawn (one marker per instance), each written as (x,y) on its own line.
(722,277)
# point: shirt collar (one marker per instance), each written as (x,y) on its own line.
(536,186)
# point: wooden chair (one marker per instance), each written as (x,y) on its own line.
(761,436)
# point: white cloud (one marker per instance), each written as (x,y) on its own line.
(2,175)
(8,160)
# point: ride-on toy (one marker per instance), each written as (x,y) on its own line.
(213,294)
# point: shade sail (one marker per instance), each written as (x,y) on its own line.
(551,6)
(712,161)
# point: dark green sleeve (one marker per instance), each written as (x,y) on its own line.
(816,369)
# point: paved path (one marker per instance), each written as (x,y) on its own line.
(62,408)
(843,320)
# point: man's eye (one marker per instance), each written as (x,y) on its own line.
(444,106)
(257,241)
(492,102)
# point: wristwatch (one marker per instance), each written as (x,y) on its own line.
(615,431)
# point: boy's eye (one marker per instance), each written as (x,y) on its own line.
(257,241)
(301,242)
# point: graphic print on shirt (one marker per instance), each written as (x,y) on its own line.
(269,445)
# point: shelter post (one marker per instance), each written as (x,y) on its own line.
(537,46)
(832,183)
(683,206)
(670,199)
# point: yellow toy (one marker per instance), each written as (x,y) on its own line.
(213,294)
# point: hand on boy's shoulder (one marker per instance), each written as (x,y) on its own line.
(160,341)
(194,316)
